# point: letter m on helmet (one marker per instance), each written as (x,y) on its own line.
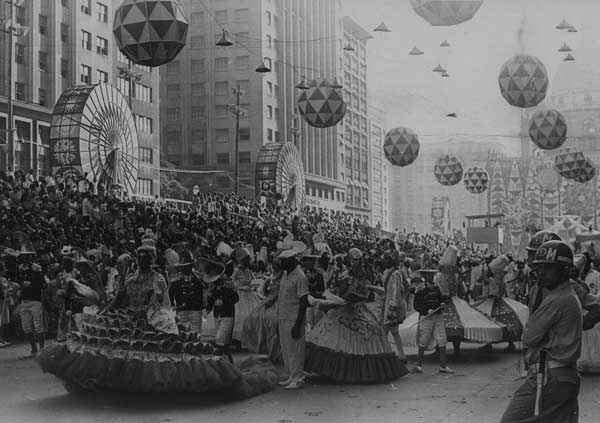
(551,254)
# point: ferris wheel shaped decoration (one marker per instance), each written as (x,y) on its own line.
(93,132)
(280,174)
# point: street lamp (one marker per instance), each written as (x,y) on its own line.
(131,76)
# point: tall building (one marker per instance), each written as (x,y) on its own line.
(68,43)
(380,169)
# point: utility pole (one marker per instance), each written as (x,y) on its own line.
(238,112)
(9,29)
(131,76)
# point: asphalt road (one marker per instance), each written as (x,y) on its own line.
(478,392)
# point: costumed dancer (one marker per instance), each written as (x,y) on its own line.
(349,344)
(222,302)
(189,298)
(395,291)
(260,333)
(66,275)
(509,312)
(463,322)
(553,338)
(135,347)
(248,300)
(32,285)
(589,362)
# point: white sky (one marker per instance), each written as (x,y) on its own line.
(418,98)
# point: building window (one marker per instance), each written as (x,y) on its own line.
(199,89)
(86,7)
(277,114)
(277,136)
(64,68)
(20,91)
(102,12)
(145,154)
(143,124)
(123,86)
(173,68)
(102,76)
(198,112)
(43,24)
(43,60)
(221,16)
(222,64)
(244,134)
(198,66)
(66,3)
(221,111)
(269,112)
(268,18)
(269,134)
(241,15)
(198,41)
(221,88)
(86,40)
(197,160)
(269,88)
(245,157)
(198,135)
(242,62)
(142,93)
(43,97)
(64,32)
(173,113)
(243,85)
(86,74)
(19,15)
(222,135)
(197,18)
(144,186)
(102,46)
(20,54)
(223,158)
(269,41)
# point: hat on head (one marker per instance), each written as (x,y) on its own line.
(148,244)
(287,254)
(355,253)
(499,263)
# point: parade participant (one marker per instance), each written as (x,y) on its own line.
(67,273)
(349,344)
(430,304)
(187,293)
(260,333)
(292,303)
(395,291)
(222,300)
(553,338)
(242,278)
(31,286)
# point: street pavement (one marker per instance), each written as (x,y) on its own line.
(478,392)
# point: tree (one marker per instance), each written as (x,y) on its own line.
(170,186)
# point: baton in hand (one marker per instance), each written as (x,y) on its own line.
(541,373)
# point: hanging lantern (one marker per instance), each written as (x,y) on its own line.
(569,163)
(548,129)
(586,172)
(446,12)
(150,33)
(445,44)
(523,81)
(322,105)
(415,51)
(565,48)
(448,170)
(401,146)
(569,58)
(563,25)
(476,180)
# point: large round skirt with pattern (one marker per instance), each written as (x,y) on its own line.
(511,313)
(589,362)
(118,352)
(260,333)
(348,345)
(463,323)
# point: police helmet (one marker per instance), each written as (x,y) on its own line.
(541,237)
(554,252)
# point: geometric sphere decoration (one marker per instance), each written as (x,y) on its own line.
(446,12)
(548,129)
(569,164)
(401,146)
(586,173)
(150,32)
(548,179)
(321,105)
(476,180)
(448,170)
(92,131)
(523,81)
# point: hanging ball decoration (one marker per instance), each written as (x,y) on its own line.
(548,129)
(446,12)
(476,180)
(448,170)
(569,163)
(523,81)
(401,146)
(150,32)
(586,172)
(322,104)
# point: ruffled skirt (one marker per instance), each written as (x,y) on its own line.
(589,362)
(348,345)
(510,313)
(260,333)
(247,303)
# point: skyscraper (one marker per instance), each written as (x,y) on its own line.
(59,44)
(380,169)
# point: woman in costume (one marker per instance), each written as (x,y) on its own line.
(260,327)
(134,346)
(349,344)
(589,361)
(242,280)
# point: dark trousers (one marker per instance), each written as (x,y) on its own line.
(558,404)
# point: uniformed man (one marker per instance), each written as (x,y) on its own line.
(553,339)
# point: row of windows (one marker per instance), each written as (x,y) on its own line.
(145,154)
(244,157)
(144,186)
(101,43)
(86,8)
(143,124)
(222,135)
(122,58)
